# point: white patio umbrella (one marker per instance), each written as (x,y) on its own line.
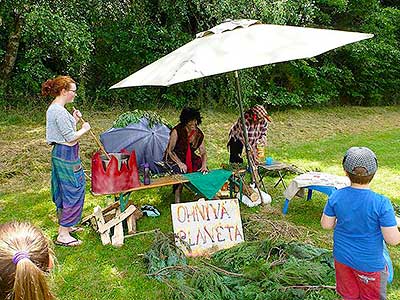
(235,45)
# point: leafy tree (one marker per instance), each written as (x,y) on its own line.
(100,42)
(55,37)
(391,3)
(377,62)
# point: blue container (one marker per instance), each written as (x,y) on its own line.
(269,161)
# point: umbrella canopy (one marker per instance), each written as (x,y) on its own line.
(148,142)
(236,45)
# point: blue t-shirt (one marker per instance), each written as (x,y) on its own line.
(358,239)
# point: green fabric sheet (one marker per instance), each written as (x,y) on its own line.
(208,184)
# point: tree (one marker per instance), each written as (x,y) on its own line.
(100,42)
(12,15)
(48,38)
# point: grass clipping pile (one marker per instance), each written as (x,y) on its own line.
(271,268)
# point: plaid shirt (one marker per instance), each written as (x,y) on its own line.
(255,131)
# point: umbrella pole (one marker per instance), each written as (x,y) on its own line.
(254,173)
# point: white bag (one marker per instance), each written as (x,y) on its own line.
(265,197)
(247,201)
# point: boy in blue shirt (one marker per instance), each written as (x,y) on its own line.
(361,220)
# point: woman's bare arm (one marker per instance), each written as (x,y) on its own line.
(170,151)
(203,154)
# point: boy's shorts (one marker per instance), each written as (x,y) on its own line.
(353,284)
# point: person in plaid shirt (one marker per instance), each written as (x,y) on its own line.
(256,119)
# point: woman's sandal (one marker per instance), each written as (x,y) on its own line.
(72,243)
(75,229)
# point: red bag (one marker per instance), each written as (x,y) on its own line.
(111,180)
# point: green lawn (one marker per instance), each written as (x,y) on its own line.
(312,139)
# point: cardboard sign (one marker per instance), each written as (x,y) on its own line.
(207,226)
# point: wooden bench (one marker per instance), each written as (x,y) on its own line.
(156,182)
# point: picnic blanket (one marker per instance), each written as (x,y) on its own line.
(208,184)
(314,178)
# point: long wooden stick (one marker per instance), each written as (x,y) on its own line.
(310,287)
(253,168)
(141,232)
(95,138)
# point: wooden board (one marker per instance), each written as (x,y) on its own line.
(117,219)
(157,182)
(105,235)
(117,240)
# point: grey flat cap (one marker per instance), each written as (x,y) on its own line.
(360,157)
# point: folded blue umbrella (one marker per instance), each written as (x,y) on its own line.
(148,142)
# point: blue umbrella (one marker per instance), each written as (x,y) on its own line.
(148,142)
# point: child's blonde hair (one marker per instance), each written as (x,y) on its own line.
(25,258)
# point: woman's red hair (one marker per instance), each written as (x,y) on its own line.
(53,87)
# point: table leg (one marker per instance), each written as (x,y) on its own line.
(240,190)
(123,200)
(236,180)
(309,194)
(285,207)
(281,180)
(231,187)
(262,182)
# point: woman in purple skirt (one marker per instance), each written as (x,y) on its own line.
(67,177)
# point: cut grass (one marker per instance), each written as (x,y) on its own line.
(311,139)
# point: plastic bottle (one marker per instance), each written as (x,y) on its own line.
(260,151)
(146,175)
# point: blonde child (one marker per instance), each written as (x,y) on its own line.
(25,260)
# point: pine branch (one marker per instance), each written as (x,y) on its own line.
(277,262)
(222,270)
(184,268)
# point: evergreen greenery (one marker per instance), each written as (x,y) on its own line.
(256,270)
(129,117)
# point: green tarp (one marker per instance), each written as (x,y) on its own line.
(208,184)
